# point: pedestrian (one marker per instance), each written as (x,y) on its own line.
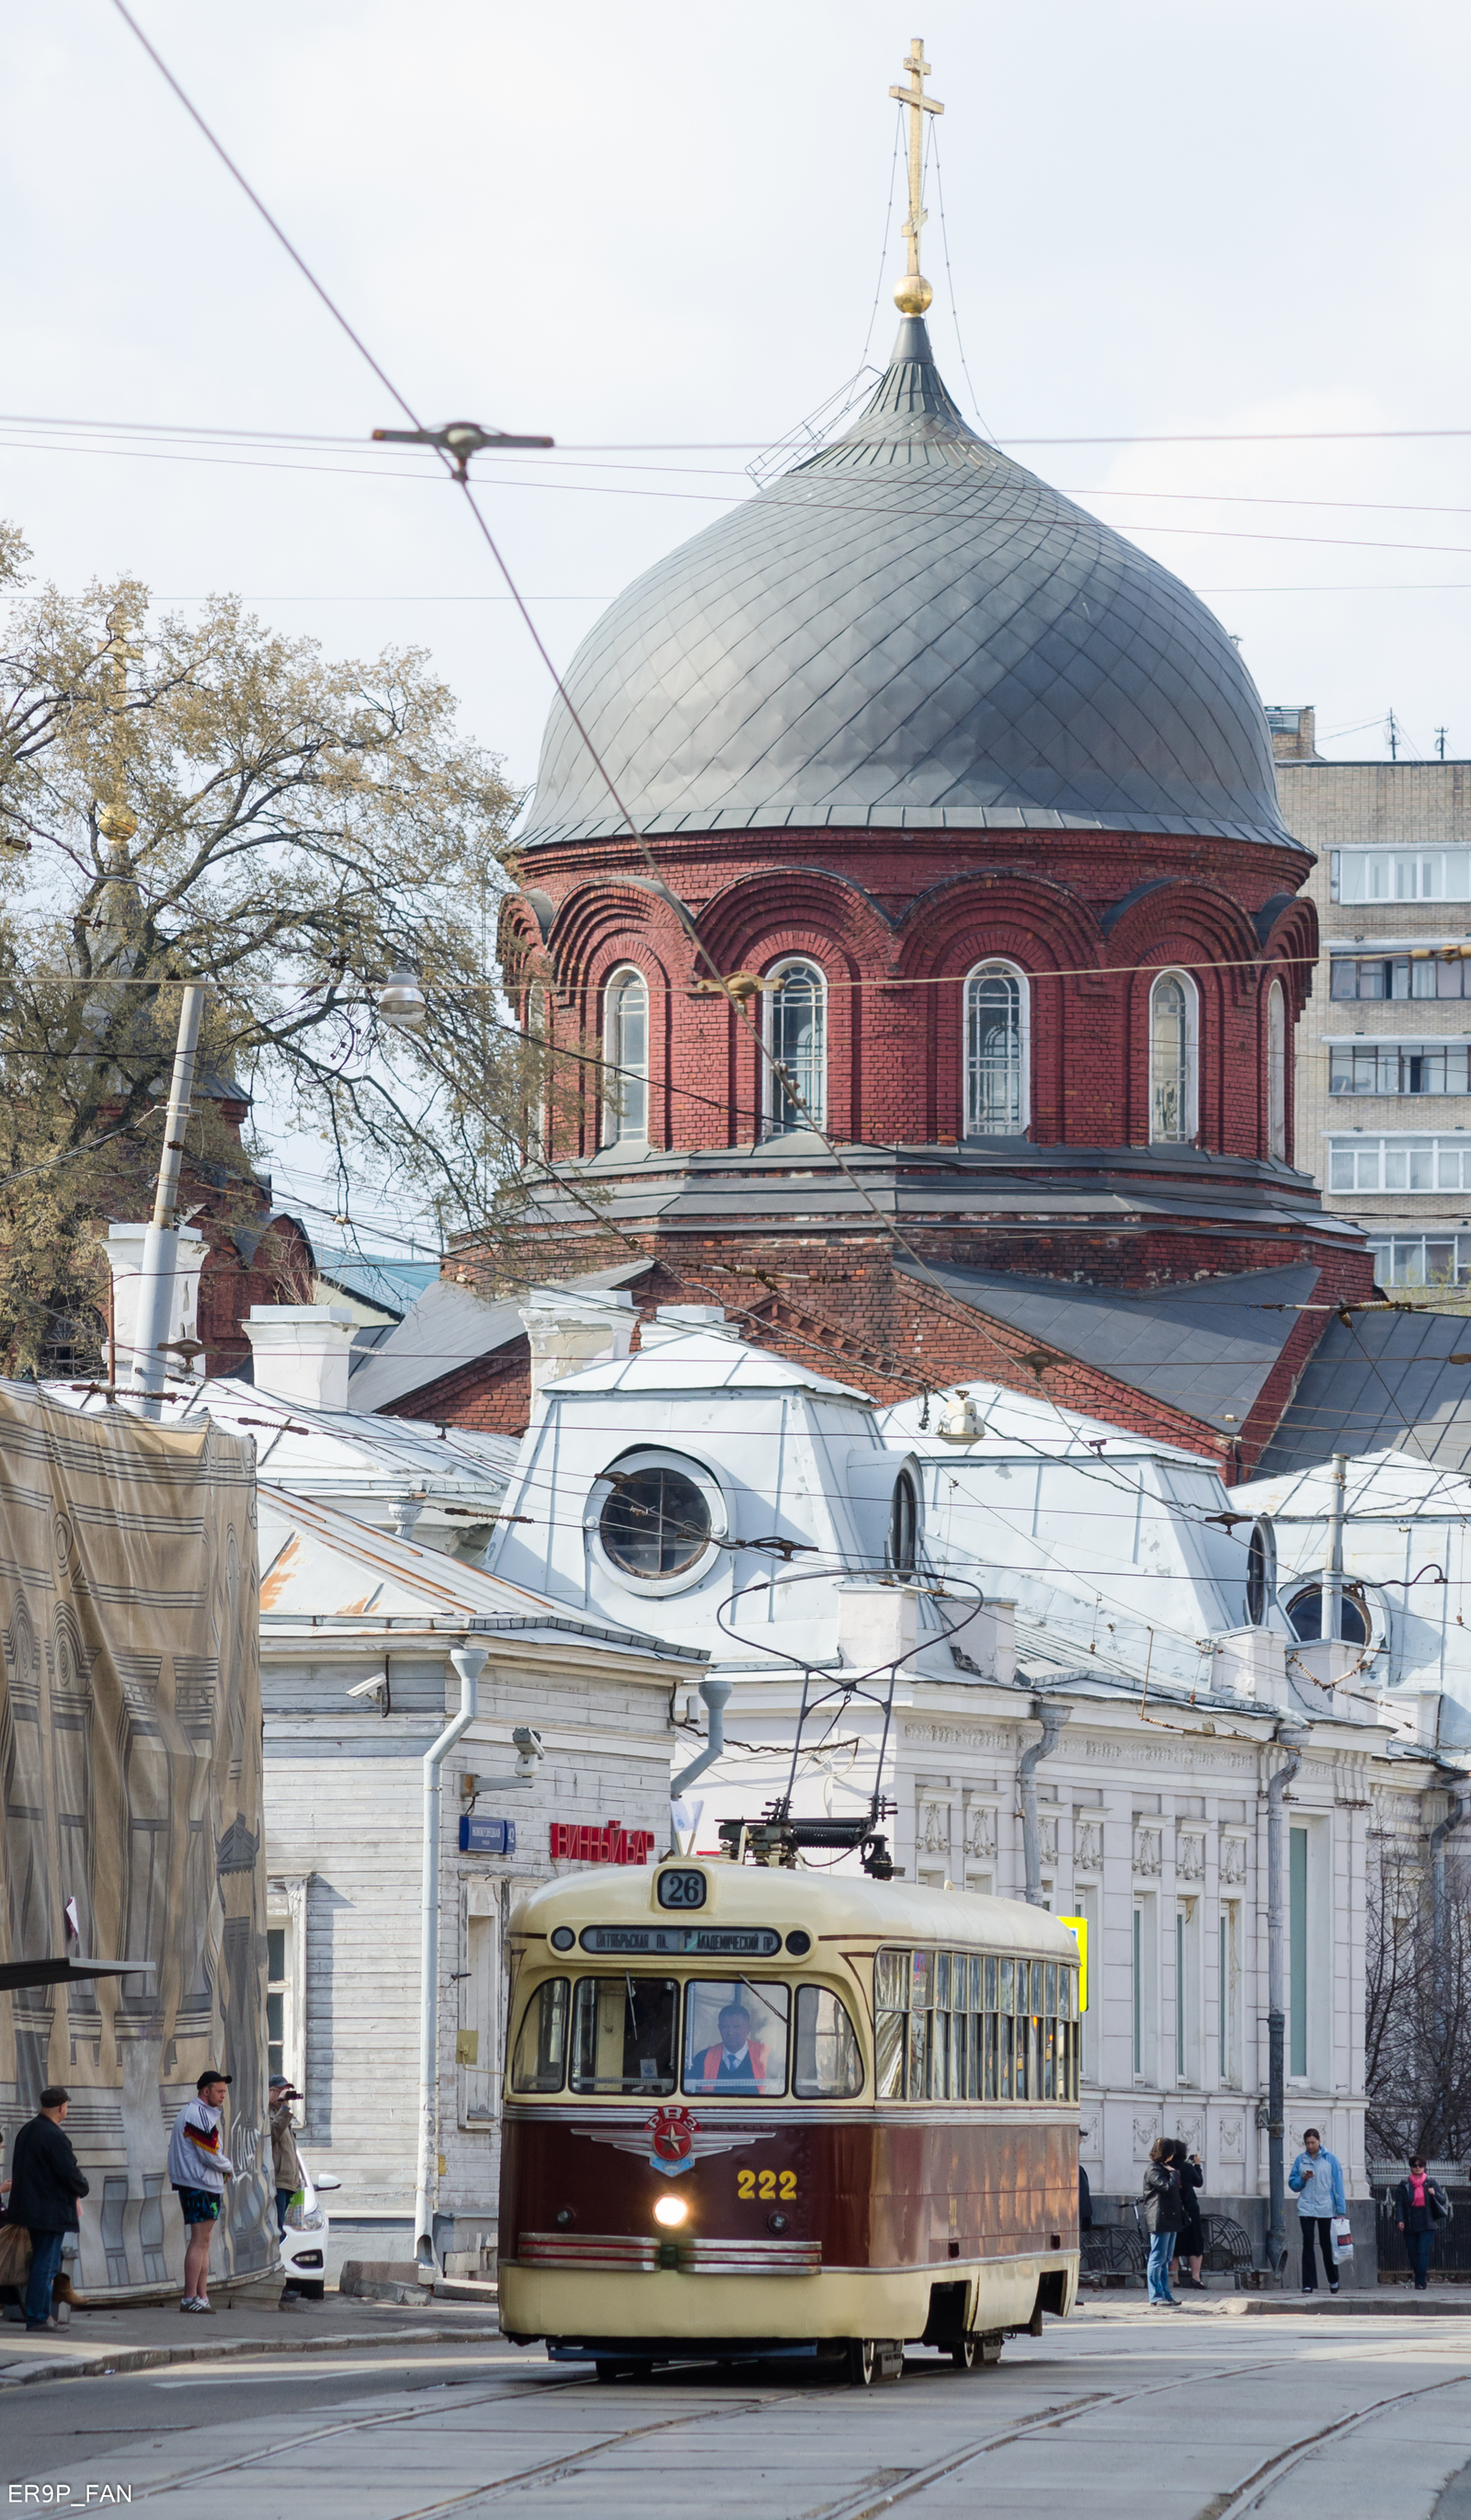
(1189,2248)
(1421,2203)
(1317,2180)
(1084,2197)
(197,2169)
(1162,2217)
(46,2183)
(286,2161)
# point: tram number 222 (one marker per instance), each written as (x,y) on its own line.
(768,2184)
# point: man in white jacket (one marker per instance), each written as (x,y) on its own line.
(197,2169)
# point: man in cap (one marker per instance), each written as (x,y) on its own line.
(197,2169)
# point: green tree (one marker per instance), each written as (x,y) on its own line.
(214,802)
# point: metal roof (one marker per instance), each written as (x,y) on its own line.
(908,629)
(1378,1382)
(1206,1348)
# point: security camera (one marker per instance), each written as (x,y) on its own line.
(528,1749)
(376,1688)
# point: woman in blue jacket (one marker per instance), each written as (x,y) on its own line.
(1317,2180)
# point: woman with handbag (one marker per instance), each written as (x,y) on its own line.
(1421,2203)
(1189,2245)
(1161,2211)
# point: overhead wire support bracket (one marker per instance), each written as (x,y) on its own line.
(459,440)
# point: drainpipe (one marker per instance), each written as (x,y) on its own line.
(715,1694)
(470,1661)
(1293,1738)
(1460,1811)
(1052,1719)
(1330,1620)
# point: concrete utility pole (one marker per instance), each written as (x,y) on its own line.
(470,1661)
(160,1243)
(1293,1738)
(1051,1718)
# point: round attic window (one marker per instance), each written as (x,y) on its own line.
(656,1523)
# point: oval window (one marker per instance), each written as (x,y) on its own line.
(1304,1612)
(904,1525)
(656,1523)
(1261,1572)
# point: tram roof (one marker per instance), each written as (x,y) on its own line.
(832,1907)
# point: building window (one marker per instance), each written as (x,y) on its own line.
(1399,874)
(904,1527)
(1430,971)
(1397,1066)
(1230,1992)
(796,1021)
(1187,1991)
(1414,1164)
(997,1059)
(1422,1260)
(1276,1073)
(1305,1614)
(538,1044)
(1297,1953)
(1173,1031)
(625,1054)
(1261,1572)
(285,1980)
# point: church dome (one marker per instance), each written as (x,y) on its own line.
(909,630)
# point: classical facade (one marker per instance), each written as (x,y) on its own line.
(1383,1087)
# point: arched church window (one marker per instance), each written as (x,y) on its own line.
(997,1052)
(538,1046)
(796,1021)
(1173,1039)
(625,1054)
(1277,1072)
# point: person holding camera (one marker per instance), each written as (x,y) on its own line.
(286,2161)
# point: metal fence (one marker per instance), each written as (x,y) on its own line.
(1120,2248)
(1451,2248)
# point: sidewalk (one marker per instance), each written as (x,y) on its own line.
(1375,2301)
(143,2336)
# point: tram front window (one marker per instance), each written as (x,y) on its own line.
(623,2035)
(735,2037)
(829,2063)
(541,2051)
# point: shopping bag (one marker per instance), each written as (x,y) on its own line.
(1343,2239)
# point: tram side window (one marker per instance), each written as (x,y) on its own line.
(623,2033)
(541,2051)
(829,2063)
(891,2015)
(736,2036)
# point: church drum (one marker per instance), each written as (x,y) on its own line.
(753,2109)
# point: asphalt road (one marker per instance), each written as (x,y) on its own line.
(1117,2413)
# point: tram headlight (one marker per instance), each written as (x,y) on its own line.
(671,2210)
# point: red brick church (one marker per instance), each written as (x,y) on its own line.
(971,805)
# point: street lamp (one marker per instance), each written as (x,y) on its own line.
(401,1000)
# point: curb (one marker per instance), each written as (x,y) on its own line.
(153,2357)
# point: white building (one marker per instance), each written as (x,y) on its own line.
(749,1507)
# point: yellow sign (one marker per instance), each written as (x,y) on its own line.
(1077,1927)
(466,2046)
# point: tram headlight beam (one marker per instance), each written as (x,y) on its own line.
(671,2210)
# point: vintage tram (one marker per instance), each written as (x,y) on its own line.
(751,2109)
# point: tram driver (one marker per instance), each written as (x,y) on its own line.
(735,2062)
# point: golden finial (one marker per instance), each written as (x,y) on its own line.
(913,292)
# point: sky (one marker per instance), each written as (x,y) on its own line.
(657,234)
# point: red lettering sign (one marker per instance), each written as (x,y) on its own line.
(577,1843)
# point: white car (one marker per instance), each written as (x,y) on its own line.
(303,2243)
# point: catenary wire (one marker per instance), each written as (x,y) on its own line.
(948,1303)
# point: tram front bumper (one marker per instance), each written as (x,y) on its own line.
(641,2298)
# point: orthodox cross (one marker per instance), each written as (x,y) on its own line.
(919,104)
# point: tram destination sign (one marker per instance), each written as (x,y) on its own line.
(700,1942)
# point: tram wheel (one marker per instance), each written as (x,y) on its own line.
(974,2353)
(871,2360)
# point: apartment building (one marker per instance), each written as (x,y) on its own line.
(1383,1067)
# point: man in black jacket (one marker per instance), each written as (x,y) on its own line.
(45,2184)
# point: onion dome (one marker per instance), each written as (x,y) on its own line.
(910,630)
